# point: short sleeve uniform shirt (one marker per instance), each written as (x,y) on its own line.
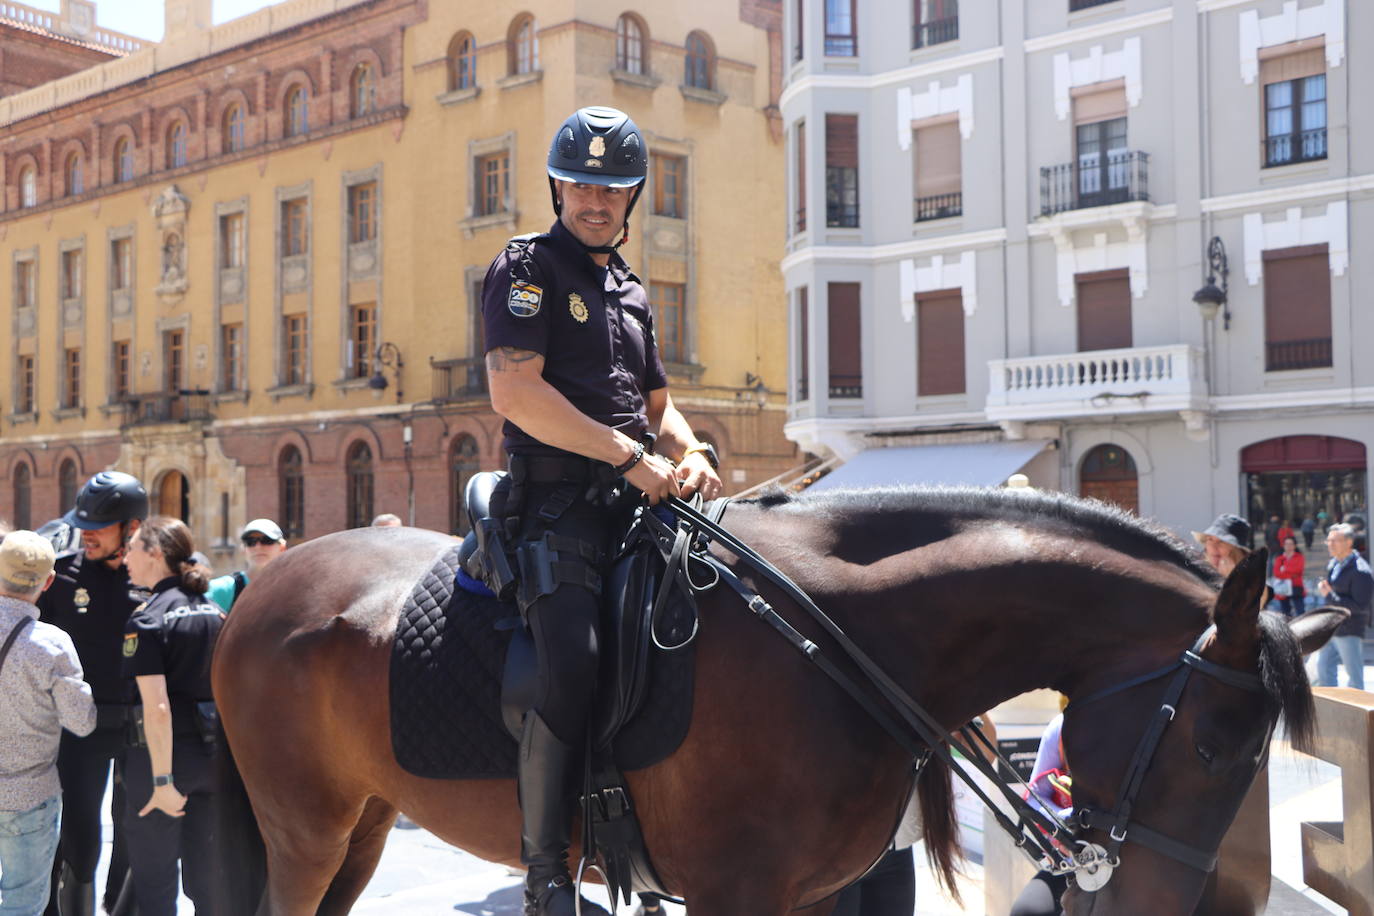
(592,325)
(92,603)
(173,634)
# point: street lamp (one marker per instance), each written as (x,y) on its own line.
(389,356)
(1211,297)
(755,383)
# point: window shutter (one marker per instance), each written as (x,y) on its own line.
(846,364)
(938,166)
(842,141)
(1297,307)
(1283,67)
(1100,103)
(940,343)
(1104,310)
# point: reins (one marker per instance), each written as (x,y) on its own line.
(1041,834)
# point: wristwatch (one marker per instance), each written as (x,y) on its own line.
(164,780)
(706,449)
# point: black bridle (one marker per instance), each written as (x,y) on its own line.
(1117,822)
(1043,836)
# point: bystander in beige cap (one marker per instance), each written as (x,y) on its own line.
(26,559)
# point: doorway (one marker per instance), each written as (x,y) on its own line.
(1109,474)
(174,496)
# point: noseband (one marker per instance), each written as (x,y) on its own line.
(1117,822)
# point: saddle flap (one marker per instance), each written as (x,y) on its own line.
(627,603)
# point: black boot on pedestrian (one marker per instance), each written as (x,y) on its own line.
(75,898)
(546,803)
(124,904)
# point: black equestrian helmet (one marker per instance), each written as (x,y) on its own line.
(108,498)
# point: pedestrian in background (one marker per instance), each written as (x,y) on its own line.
(1287,582)
(168,770)
(386,520)
(1225,542)
(1309,528)
(1348,584)
(262,542)
(1271,535)
(44,693)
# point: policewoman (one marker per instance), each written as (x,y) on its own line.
(168,768)
(574,369)
(91,598)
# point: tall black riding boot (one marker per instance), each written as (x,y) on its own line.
(75,898)
(547,776)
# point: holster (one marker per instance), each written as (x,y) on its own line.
(134,735)
(207,721)
(553,560)
(490,562)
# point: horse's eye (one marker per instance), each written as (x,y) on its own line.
(1206,753)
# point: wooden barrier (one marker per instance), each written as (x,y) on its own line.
(1338,858)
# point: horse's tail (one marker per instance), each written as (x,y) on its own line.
(241,876)
(940,822)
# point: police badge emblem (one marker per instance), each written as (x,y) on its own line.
(130,644)
(82,600)
(577,307)
(597,147)
(524,299)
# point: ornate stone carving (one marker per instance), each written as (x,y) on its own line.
(169,211)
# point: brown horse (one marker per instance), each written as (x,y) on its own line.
(784,791)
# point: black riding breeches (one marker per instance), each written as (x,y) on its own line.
(83,766)
(564,624)
(158,840)
(888,890)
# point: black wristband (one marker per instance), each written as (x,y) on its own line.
(634,459)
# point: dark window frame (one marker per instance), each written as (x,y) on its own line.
(1309,144)
(361,485)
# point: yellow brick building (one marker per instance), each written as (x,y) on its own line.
(210,243)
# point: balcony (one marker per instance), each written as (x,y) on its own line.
(939,206)
(458,379)
(1134,380)
(1093,182)
(1284,356)
(934,32)
(184,406)
(1287,149)
(846,386)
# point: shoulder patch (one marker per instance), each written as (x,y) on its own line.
(130,644)
(524,299)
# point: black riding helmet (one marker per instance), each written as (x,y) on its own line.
(108,498)
(601,146)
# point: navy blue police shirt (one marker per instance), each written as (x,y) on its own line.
(592,325)
(92,603)
(173,634)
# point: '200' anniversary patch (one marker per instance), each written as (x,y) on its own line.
(524,299)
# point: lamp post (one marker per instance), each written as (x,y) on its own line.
(388,355)
(1211,297)
(755,383)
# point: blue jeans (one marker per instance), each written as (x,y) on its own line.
(1350,650)
(28,842)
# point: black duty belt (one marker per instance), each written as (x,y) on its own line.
(557,468)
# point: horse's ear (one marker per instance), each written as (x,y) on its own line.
(1236,613)
(1315,627)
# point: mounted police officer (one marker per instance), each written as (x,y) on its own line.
(169,766)
(91,599)
(574,368)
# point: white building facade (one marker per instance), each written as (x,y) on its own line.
(1000,217)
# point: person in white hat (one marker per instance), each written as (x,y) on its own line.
(263,542)
(44,691)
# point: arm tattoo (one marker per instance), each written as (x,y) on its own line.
(506,359)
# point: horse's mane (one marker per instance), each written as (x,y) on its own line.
(1281,671)
(1101,521)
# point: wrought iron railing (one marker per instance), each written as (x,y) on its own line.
(801,219)
(1076,5)
(846,386)
(1123,176)
(939,206)
(841,46)
(458,379)
(934,32)
(1285,149)
(1282,356)
(183,406)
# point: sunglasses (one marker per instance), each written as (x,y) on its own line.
(254,540)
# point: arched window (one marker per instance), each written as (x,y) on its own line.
(1109,474)
(630,44)
(123,160)
(291,492)
(176,145)
(461,468)
(298,113)
(28,187)
(524,45)
(363,90)
(462,62)
(234,128)
(701,62)
(23,497)
(72,176)
(359,469)
(66,485)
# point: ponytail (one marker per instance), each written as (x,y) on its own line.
(194,577)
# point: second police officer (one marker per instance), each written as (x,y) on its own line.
(91,599)
(168,770)
(575,371)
